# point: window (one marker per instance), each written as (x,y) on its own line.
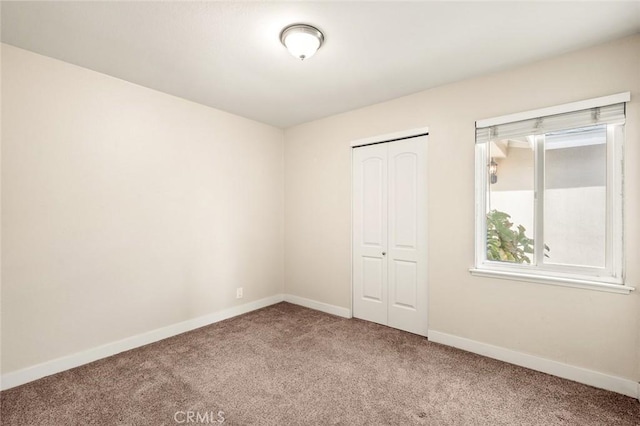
(549,195)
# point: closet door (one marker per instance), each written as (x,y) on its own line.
(370,233)
(389,234)
(407,254)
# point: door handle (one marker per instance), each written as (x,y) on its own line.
(384,253)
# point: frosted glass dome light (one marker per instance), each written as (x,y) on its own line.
(302,40)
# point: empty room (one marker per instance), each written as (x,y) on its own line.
(301,213)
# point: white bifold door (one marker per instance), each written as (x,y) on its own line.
(389,234)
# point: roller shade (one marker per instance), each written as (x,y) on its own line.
(609,114)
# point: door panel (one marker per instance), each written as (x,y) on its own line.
(372,203)
(406,284)
(370,233)
(372,278)
(407,235)
(405,201)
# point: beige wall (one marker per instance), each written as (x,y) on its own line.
(126,209)
(591,329)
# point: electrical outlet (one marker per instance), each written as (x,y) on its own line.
(239,293)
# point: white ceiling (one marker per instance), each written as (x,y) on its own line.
(228,55)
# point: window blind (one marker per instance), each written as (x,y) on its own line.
(609,114)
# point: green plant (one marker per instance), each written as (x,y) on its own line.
(505,243)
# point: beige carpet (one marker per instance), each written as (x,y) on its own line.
(287,365)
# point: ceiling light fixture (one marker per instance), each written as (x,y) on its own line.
(302,40)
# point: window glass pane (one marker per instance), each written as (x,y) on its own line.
(575,196)
(510,205)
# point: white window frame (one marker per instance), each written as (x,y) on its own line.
(611,277)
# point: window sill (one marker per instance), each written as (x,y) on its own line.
(564,282)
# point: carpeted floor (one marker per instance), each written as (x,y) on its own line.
(287,365)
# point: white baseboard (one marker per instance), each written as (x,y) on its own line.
(318,306)
(48,368)
(578,374)
(555,368)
